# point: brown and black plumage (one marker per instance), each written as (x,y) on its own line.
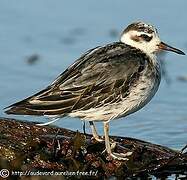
(105,83)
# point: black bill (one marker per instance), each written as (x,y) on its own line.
(166,47)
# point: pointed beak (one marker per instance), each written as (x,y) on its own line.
(164,46)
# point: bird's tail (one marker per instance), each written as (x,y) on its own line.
(40,104)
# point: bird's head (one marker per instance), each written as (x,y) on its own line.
(145,37)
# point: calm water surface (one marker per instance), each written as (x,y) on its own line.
(60,31)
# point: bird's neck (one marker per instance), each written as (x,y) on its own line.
(154,60)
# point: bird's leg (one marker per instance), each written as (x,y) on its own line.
(94,132)
(84,127)
(119,156)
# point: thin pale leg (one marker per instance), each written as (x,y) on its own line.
(118,156)
(94,132)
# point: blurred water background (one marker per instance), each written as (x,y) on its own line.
(40,38)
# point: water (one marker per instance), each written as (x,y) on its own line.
(60,31)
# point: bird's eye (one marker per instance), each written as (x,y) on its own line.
(146,37)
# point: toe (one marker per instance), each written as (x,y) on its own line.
(121,156)
(118,157)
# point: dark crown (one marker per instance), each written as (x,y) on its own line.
(141,27)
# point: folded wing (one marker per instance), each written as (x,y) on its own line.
(102,75)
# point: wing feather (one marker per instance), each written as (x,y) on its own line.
(101,76)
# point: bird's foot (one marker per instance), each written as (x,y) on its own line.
(112,146)
(98,138)
(120,156)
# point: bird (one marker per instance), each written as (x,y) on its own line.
(106,83)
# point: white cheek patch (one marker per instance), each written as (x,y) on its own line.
(147,47)
(127,37)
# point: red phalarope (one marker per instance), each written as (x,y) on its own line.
(105,83)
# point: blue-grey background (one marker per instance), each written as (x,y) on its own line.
(60,31)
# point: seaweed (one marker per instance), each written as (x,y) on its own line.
(28,151)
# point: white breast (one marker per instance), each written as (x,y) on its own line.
(140,94)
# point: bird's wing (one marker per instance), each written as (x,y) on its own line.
(101,76)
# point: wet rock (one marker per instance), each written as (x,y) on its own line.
(24,147)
